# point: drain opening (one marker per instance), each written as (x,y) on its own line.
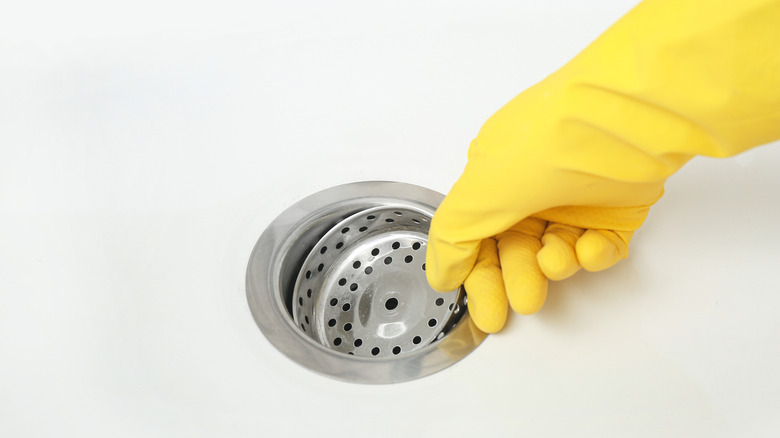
(332,278)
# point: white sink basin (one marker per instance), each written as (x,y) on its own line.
(143,151)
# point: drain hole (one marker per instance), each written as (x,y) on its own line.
(391,304)
(329,236)
(338,324)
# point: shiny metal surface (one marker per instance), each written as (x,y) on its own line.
(293,242)
(362,289)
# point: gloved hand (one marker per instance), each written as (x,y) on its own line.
(562,176)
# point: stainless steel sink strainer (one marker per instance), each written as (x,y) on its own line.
(337,283)
(362,290)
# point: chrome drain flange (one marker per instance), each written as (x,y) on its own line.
(337,283)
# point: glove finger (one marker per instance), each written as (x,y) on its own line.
(558,259)
(526,285)
(600,249)
(485,287)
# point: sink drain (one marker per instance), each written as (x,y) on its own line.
(337,283)
(362,290)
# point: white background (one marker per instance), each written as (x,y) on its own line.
(145,146)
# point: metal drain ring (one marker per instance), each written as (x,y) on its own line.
(280,309)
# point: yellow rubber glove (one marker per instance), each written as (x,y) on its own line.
(562,176)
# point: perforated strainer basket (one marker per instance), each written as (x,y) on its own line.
(362,289)
(337,283)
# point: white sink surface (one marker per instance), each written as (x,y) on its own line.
(143,149)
